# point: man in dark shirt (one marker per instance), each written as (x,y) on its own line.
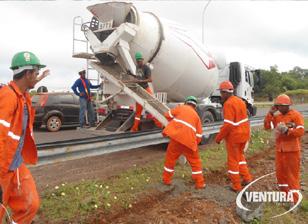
(84,85)
(143,73)
(143,76)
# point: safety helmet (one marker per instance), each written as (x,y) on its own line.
(226,86)
(138,56)
(82,70)
(283,100)
(25,60)
(191,100)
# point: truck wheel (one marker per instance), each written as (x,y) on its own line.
(207,117)
(54,123)
(248,113)
(36,126)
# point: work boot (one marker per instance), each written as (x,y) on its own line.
(296,209)
(167,182)
(200,187)
(232,189)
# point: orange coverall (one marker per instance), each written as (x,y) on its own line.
(185,133)
(236,132)
(288,149)
(18,186)
(138,113)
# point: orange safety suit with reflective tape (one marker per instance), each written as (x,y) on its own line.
(288,149)
(236,132)
(138,113)
(18,187)
(185,133)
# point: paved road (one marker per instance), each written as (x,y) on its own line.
(43,136)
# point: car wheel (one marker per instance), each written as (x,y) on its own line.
(54,123)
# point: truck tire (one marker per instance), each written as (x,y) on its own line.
(207,117)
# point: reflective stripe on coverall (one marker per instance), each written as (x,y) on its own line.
(236,132)
(19,191)
(185,133)
(288,149)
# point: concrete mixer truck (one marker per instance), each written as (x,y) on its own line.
(180,65)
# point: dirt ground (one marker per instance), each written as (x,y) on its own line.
(177,204)
(182,204)
(98,167)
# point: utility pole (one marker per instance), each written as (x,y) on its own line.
(203,15)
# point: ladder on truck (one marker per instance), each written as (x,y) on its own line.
(84,43)
(115,74)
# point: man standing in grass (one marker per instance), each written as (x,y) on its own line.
(236,132)
(185,133)
(289,125)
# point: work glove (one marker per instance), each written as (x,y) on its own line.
(282,128)
(217,140)
(291,125)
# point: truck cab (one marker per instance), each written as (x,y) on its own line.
(242,78)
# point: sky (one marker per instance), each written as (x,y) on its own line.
(257,33)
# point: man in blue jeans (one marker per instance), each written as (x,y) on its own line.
(84,85)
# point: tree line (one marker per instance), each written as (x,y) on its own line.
(272,82)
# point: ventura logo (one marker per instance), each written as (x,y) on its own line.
(267,196)
(274,196)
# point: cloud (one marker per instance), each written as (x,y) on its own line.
(260,33)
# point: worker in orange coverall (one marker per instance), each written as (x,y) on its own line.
(185,133)
(17,145)
(289,125)
(236,133)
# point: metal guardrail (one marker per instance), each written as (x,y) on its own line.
(95,146)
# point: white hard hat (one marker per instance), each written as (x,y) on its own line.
(82,69)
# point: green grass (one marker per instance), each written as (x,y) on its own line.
(262,104)
(298,95)
(297,92)
(66,201)
(300,217)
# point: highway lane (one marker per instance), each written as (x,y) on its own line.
(43,136)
